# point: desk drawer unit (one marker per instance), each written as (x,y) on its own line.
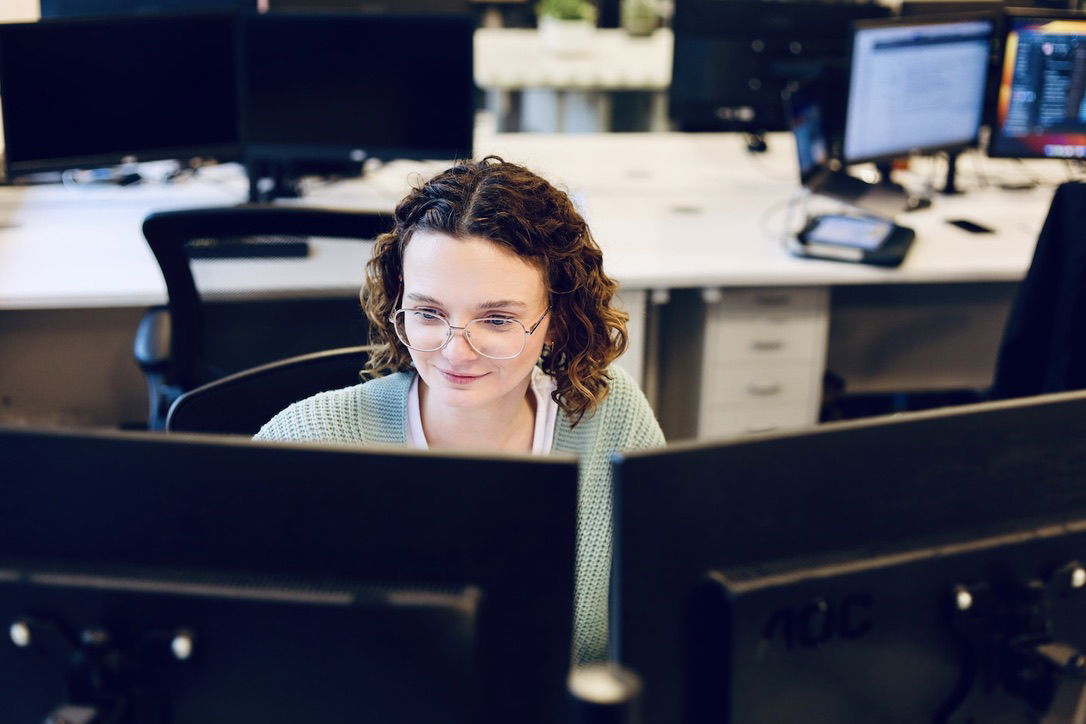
(763,359)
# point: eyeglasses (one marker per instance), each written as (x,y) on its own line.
(424,330)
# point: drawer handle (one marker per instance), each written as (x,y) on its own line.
(758,429)
(772,300)
(767,345)
(764,389)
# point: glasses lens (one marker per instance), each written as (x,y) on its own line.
(496,338)
(421,330)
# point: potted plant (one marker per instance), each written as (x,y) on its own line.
(566,26)
(640,17)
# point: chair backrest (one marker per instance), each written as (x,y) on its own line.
(1044,342)
(241,403)
(189,362)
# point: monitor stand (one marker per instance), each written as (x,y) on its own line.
(884,198)
(269,180)
(950,187)
(274,176)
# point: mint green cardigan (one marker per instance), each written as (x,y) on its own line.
(376,412)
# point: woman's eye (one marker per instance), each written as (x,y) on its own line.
(425,315)
(498,322)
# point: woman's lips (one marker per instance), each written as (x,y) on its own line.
(459,379)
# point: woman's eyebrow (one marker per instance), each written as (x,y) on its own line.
(423,299)
(494,304)
(501,303)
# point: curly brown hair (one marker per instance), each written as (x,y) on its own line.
(513,207)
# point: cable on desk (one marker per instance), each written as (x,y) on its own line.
(787,233)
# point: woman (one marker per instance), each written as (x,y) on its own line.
(494,330)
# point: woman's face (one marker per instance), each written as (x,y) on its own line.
(465,279)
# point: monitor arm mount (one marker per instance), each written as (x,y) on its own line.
(950,186)
(106,680)
(1012,655)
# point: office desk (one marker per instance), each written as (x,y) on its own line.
(747,330)
(533,88)
(734,333)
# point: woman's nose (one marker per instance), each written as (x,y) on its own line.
(459,348)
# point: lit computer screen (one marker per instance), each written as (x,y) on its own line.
(79,93)
(1041,110)
(915,86)
(347,87)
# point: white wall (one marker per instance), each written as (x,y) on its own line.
(14,10)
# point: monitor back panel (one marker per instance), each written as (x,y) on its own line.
(228,507)
(859,487)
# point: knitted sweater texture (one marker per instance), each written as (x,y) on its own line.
(376,412)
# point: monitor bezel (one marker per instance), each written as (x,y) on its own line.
(222,152)
(992,148)
(917,20)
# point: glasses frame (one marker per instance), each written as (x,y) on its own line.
(451,328)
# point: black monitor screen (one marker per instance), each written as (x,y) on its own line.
(733,60)
(351,87)
(81,93)
(916,86)
(1041,111)
(88,8)
(421,7)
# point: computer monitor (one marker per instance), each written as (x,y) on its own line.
(83,93)
(335,90)
(820,171)
(411,7)
(888,507)
(733,60)
(916,86)
(814,148)
(92,8)
(297,571)
(1041,108)
(810,110)
(910,8)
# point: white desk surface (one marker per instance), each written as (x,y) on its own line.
(669,210)
(514,58)
(687,210)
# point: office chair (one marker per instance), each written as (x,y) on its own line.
(1044,342)
(172,342)
(239,404)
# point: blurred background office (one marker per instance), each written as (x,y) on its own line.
(815,210)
